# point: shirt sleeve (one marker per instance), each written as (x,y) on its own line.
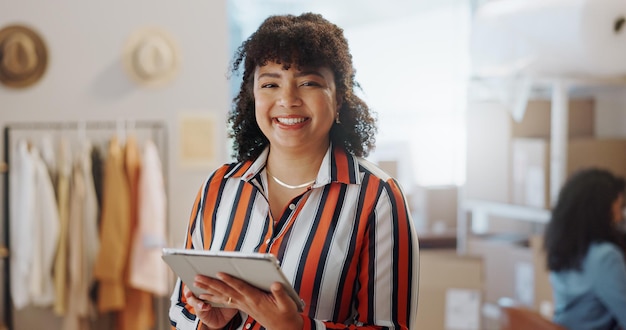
(182,315)
(609,277)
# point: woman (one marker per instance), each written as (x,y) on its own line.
(585,252)
(300,190)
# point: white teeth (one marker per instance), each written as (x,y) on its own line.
(290,121)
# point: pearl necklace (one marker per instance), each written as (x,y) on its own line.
(306,184)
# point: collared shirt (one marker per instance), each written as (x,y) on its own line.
(595,297)
(347,244)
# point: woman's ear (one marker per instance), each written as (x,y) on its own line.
(339,102)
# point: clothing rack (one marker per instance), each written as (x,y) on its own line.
(158,134)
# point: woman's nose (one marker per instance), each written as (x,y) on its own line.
(289,97)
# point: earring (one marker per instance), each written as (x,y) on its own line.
(337,121)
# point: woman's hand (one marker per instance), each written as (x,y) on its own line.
(212,317)
(275,310)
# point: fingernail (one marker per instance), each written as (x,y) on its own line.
(200,306)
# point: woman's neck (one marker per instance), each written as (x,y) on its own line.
(294,168)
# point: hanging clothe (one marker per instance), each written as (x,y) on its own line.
(83,243)
(147,270)
(139,311)
(45,235)
(22,189)
(114,232)
(64,167)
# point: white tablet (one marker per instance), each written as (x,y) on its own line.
(258,269)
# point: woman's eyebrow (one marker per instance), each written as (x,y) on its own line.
(269,75)
(309,72)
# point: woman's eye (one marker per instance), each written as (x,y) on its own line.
(268,85)
(310,83)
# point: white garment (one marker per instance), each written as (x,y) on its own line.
(45,234)
(148,272)
(21,192)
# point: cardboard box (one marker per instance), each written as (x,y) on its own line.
(450,291)
(490,128)
(514,268)
(537,119)
(544,300)
(530,172)
(434,208)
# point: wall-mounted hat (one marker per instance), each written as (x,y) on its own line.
(151,57)
(23,56)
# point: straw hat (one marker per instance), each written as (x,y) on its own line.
(23,56)
(151,57)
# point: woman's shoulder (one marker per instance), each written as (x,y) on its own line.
(604,253)
(373,169)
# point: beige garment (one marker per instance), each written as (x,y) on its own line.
(147,269)
(60,261)
(139,313)
(114,232)
(77,296)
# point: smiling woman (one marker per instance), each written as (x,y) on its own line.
(339,226)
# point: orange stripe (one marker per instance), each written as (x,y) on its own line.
(209,209)
(403,255)
(343,170)
(239,218)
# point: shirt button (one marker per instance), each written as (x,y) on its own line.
(268,241)
(292,207)
(248,326)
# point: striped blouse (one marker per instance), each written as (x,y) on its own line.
(347,244)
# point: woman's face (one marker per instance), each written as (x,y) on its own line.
(295,109)
(617,208)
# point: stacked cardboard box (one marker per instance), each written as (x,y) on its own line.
(490,131)
(450,291)
(515,268)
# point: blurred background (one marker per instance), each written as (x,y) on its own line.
(484,108)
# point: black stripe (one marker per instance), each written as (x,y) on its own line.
(246,222)
(186,313)
(333,167)
(232,168)
(327,244)
(351,173)
(262,237)
(233,211)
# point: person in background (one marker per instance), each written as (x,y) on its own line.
(301,190)
(585,252)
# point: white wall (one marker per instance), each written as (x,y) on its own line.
(85,79)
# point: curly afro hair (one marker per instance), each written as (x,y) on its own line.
(307,40)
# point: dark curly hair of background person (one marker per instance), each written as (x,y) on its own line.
(307,40)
